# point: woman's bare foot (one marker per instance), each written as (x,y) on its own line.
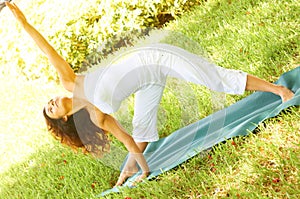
(256,84)
(285,93)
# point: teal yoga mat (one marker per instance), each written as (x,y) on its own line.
(238,119)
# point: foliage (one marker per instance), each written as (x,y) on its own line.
(92,27)
(109,25)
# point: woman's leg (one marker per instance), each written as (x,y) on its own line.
(256,84)
(146,105)
(181,64)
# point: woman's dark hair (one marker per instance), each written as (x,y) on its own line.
(79,132)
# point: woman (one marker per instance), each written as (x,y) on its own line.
(84,119)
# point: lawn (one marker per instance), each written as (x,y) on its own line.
(260,37)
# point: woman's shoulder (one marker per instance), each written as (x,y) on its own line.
(78,91)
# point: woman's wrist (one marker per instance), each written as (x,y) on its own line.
(25,25)
(146,173)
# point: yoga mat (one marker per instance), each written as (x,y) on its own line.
(238,119)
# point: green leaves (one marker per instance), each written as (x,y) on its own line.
(107,25)
(78,30)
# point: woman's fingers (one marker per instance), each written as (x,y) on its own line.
(126,175)
(16,12)
(141,177)
(10,5)
(122,179)
(16,7)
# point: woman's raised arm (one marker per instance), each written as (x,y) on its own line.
(64,70)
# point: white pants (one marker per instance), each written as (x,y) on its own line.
(181,64)
(144,71)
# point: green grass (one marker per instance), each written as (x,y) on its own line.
(260,37)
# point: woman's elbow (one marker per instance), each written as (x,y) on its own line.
(68,82)
(68,85)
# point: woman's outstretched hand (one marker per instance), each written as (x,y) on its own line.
(141,177)
(125,175)
(17,13)
(131,168)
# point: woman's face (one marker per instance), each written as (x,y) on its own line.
(58,107)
